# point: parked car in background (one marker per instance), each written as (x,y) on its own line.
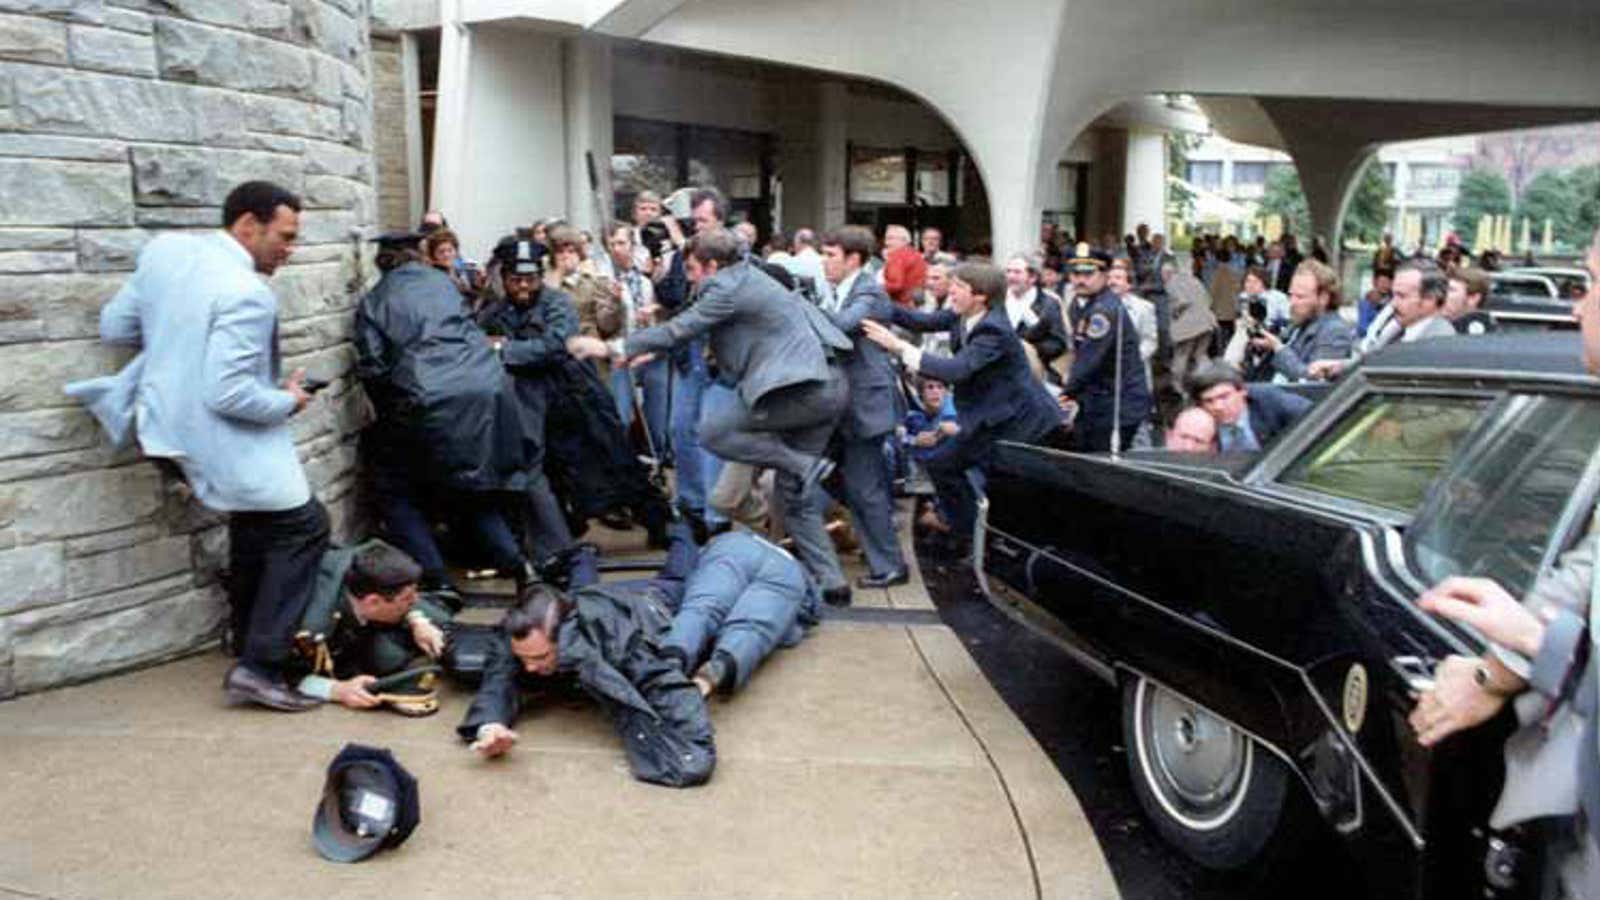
(1258,613)
(1535,299)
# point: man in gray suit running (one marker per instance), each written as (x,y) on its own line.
(783,358)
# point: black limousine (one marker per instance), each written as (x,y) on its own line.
(1258,613)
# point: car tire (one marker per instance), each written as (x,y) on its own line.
(1212,791)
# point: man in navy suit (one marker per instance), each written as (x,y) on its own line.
(875,404)
(997,397)
(1247,417)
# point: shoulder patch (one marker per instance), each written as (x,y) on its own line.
(1099,326)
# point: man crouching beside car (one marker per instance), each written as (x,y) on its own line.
(1545,661)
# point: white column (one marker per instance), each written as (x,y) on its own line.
(587,99)
(450,134)
(1144,189)
(411,89)
(833,136)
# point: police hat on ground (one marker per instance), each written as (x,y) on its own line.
(369,801)
(1087,259)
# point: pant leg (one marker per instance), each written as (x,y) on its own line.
(754,627)
(548,532)
(733,486)
(771,433)
(688,387)
(622,393)
(707,597)
(488,525)
(717,400)
(286,547)
(803,518)
(405,525)
(653,383)
(868,491)
(947,464)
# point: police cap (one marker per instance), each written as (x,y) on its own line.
(518,255)
(1086,259)
(369,801)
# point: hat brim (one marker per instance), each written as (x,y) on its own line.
(334,843)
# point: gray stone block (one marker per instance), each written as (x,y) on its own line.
(106,541)
(129,20)
(208,553)
(35,261)
(178,216)
(46,431)
(68,305)
(54,192)
(50,465)
(310,290)
(78,504)
(326,226)
(195,176)
(32,39)
(331,191)
(36,238)
(93,11)
(282,115)
(265,16)
(35,374)
(335,159)
(111,249)
(56,147)
(92,103)
(226,58)
(327,82)
(31,576)
(127,566)
(109,50)
(314,333)
(66,651)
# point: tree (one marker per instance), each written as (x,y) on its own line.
(1585,184)
(1367,215)
(1180,200)
(1554,196)
(1284,198)
(1481,193)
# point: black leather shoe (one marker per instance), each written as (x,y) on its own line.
(839,596)
(816,475)
(897,577)
(247,686)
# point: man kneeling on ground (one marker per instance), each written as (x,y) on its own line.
(366,622)
(630,645)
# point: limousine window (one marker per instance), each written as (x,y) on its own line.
(1387,450)
(1495,513)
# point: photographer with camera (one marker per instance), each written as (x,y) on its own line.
(1262,310)
(1316,330)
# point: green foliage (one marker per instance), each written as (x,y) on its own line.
(1180,200)
(1368,213)
(1550,195)
(1584,183)
(1283,197)
(1481,193)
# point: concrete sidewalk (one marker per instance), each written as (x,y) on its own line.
(872,760)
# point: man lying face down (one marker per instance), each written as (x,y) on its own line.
(716,613)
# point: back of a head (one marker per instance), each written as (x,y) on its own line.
(718,245)
(1210,374)
(540,608)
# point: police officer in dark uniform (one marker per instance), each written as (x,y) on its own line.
(1107,376)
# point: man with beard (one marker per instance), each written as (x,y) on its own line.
(567,412)
(447,423)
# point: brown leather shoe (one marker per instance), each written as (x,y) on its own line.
(246,686)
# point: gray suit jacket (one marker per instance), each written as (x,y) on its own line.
(876,404)
(762,335)
(1325,337)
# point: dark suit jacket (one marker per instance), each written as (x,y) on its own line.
(1272,410)
(994,389)
(1048,335)
(875,399)
(762,335)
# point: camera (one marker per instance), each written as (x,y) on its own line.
(655,238)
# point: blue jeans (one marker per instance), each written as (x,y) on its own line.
(697,469)
(652,380)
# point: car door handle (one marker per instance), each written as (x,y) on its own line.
(1415,671)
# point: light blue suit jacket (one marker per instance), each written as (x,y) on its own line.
(203,391)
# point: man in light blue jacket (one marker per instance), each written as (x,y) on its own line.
(204,394)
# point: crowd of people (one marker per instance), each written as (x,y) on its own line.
(676,377)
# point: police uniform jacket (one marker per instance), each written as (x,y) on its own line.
(1096,347)
(353,647)
(611,644)
(443,402)
(535,349)
(876,403)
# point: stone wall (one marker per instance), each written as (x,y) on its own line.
(389,143)
(120,119)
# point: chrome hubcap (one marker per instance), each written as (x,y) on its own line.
(1197,764)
